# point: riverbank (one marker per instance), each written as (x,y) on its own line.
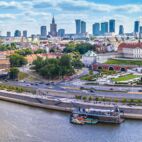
(130,112)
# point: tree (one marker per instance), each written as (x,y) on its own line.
(13,74)
(39,51)
(17,60)
(24,52)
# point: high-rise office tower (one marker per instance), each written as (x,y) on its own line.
(78,26)
(141,29)
(83,27)
(17,33)
(104,28)
(112,26)
(8,34)
(53,28)
(121,30)
(96,29)
(136,26)
(43,32)
(25,34)
(61,32)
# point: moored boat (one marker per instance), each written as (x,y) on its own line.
(92,116)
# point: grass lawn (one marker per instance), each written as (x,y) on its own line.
(89,77)
(124,62)
(22,75)
(125,78)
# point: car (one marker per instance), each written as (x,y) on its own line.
(47,84)
(140,90)
(92,91)
(111,89)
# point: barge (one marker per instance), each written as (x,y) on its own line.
(92,116)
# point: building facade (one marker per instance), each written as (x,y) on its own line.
(112,26)
(121,30)
(61,32)
(89,58)
(53,28)
(104,28)
(96,29)
(136,26)
(130,50)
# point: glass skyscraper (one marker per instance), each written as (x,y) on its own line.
(80,26)
(104,28)
(83,27)
(112,26)
(96,29)
(17,33)
(25,34)
(121,30)
(61,32)
(136,26)
(43,33)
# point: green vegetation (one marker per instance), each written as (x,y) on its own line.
(24,52)
(124,62)
(54,68)
(82,48)
(39,51)
(12,46)
(17,60)
(125,78)
(22,75)
(13,88)
(28,51)
(107,72)
(13,74)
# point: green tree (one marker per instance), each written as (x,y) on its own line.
(17,60)
(13,73)
(39,51)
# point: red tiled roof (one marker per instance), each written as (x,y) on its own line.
(130,45)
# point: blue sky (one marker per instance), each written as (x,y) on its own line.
(31,14)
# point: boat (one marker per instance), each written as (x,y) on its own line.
(92,116)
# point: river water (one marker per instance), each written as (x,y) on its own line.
(20,123)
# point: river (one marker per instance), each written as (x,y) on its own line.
(20,123)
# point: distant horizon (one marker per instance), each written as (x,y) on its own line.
(30,15)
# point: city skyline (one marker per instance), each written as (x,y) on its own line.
(36,13)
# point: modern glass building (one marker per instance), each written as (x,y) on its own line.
(83,27)
(136,26)
(121,30)
(43,32)
(104,28)
(17,33)
(61,32)
(96,29)
(112,26)
(78,26)
(25,34)
(8,34)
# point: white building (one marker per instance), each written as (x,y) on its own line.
(130,50)
(89,58)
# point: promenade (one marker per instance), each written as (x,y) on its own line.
(63,104)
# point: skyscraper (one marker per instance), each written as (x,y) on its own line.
(121,30)
(136,26)
(112,26)
(8,34)
(17,33)
(141,29)
(83,27)
(61,32)
(25,34)
(96,29)
(104,28)
(43,32)
(53,28)
(78,26)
